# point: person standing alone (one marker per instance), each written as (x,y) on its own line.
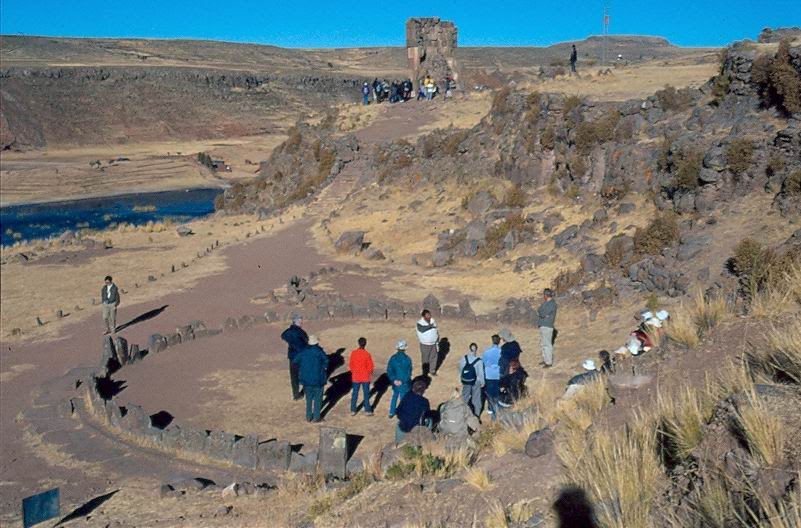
(361,374)
(296,339)
(366,94)
(546,319)
(399,372)
(428,335)
(109,300)
(573,59)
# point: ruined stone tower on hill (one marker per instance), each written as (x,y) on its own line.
(430,45)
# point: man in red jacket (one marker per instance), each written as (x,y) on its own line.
(361,374)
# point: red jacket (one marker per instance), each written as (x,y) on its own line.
(361,366)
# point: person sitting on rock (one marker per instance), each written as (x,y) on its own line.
(414,410)
(296,339)
(361,374)
(399,372)
(456,417)
(471,373)
(513,385)
(510,351)
(312,364)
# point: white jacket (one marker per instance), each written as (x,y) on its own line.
(427,332)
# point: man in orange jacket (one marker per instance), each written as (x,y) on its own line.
(361,374)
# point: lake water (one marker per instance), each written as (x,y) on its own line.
(28,222)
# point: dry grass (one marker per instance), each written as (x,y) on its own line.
(511,439)
(772,302)
(785,353)
(682,328)
(684,417)
(709,312)
(763,431)
(479,479)
(496,516)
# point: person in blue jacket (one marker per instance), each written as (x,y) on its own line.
(414,410)
(312,364)
(366,94)
(399,372)
(296,339)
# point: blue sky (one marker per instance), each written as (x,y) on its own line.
(346,23)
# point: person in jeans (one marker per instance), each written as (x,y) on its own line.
(366,94)
(510,351)
(312,364)
(492,375)
(109,300)
(296,339)
(414,410)
(428,335)
(546,319)
(471,371)
(399,372)
(361,374)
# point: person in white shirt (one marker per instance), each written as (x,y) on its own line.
(428,335)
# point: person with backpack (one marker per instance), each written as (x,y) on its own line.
(312,364)
(471,370)
(366,93)
(492,375)
(361,374)
(456,418)
(296,339)
(399,372)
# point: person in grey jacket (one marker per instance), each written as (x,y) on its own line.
(109,300)
(546,319)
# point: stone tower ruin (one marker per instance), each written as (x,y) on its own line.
(430,45)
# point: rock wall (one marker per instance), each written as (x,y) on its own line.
(430,47)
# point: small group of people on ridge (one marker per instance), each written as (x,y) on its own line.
(382,90)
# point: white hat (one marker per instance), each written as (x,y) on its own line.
(313,340)
(653,321)
(662,315)
(646,315)
(588,364)
(401,345)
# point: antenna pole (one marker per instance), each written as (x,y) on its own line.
(605,35)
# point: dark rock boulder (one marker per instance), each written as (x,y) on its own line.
(481,202)
(350,242)
(540,443)
(564,237)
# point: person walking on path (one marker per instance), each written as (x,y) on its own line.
(414,410)
(546,319)
(428,335)
(361,374)
(296,339)
(492,375)
(109,300)
(312,364)
(399,372)
(510,351)
(366,94)
(573,59)
(471,370)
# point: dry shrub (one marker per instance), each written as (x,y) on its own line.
(513,439)
(496,516)
(479,479)
(763,431)
(548,138)
(327,158)
(674,100)
(761,269)
(567,279)
(661,232)
(571,103)
(451,144)
(294,139)
(497,232)
(709,311)
(791,186)
(687,167)
(515,197)
(620,471)
(616,251)
(782,357)
(775,165)
(589,133)
(778,80)
(682,328)
(683,419)
(739,155)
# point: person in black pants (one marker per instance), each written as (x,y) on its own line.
(296,339)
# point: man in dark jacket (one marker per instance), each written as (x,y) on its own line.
(109,300)
(510,351)
(573,59)
(312,363)
(546,319)
(399,372)
(414,410)
(296,338)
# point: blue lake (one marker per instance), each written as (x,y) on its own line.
(45,220)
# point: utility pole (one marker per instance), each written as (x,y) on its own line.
(605,37)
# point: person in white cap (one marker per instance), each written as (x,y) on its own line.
(399,372)
(577,382)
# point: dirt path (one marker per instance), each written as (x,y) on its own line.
(254,267)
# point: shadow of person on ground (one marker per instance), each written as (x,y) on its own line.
(142,317)
(379,388)
(335,360)
(443,350)
(88,507)
(573,509)
(338,387)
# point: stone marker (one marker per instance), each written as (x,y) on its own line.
(333,455)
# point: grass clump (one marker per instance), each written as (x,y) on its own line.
(778,80)
(791,186)
(683,419)
(661,232)
(571,102)
(548,138)
(763,431)
(515,197)
(674,100)
(479,479)
(682,329)
(739,154)
(591,133)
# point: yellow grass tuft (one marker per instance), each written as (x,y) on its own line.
(771,303)
(479,479)
(682,328)
(763,431)
(709,312)
(521,511)
(512,439)
(785,354)
(496,516)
